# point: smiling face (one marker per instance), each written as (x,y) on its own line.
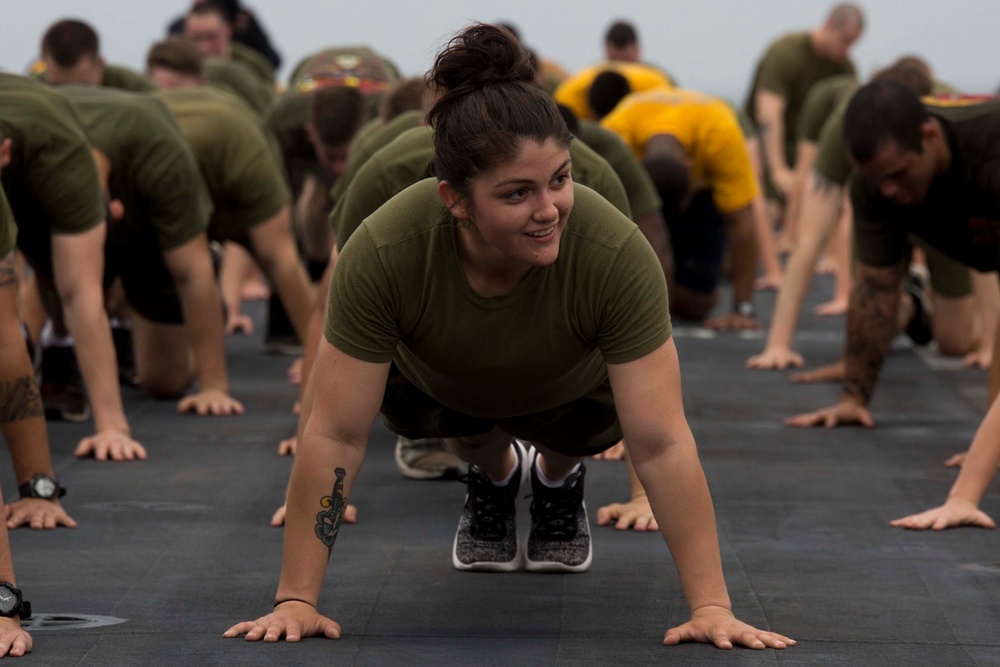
(515,212)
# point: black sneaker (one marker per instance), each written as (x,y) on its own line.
(125,355)
(487,532)
(280,336)
(559,540)
(62,386)
(920,327)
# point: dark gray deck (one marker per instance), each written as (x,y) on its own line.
(180,546)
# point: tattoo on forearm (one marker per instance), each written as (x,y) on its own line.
(871,325)
(19,399)
(328,522)
(8,271)
(822,184)
(763,129)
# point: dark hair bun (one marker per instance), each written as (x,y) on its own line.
(479,56)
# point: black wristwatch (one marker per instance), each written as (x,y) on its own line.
(12,603)
(42,486)
(745,308)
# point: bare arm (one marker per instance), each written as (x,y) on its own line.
(770,119)
(326,467)
(742,247)
(274,246)
(22,419)
(820,212)
(648,399)
(190,265)
(871,326)
(978,471)
(78,261)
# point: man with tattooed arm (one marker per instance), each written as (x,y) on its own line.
(928,170)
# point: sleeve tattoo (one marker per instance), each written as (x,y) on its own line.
(328,521)
(870,329)
(822,184)
(19,399)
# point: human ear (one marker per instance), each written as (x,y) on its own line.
(453,201)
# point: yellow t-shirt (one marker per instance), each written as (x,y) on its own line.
(573,91)
(705,126)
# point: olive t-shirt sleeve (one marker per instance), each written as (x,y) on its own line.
(368,193)
(63,181)
(831,157)
(253,179)
(636,313)
(880,237)
(361,317)
(778,70)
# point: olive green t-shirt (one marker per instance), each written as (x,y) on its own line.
(51,181)
(960,214)
(410,158)
(153,172)
(8,230)
(399,294)
(122,78)
(238,165)
(236,79)
(789,68)
(642,195)
(255,63)
(823,99)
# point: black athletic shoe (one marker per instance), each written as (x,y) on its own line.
(125,355)
(487,532)
(920,327)
(559,540)
(280,336)
(62,386)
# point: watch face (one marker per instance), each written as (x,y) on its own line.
(8,599)
(45,487)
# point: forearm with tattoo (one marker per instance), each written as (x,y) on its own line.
(19,399)
(328,521)
(871,326)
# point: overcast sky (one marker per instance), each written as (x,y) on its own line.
(710,45)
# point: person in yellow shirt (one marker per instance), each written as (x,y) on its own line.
(695,151)
(573,91)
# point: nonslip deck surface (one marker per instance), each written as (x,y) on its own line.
(179,546)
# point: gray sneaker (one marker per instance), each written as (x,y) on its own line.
(427,458)
(487,532)
(559,540)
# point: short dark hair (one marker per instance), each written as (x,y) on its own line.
(672,180)
(606,91)
(337,113)
(883,111)
(621,34)
(178,54)
(572,122)
(212,7)
(405,95)
(68,41)
(488,105)
(911,71)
